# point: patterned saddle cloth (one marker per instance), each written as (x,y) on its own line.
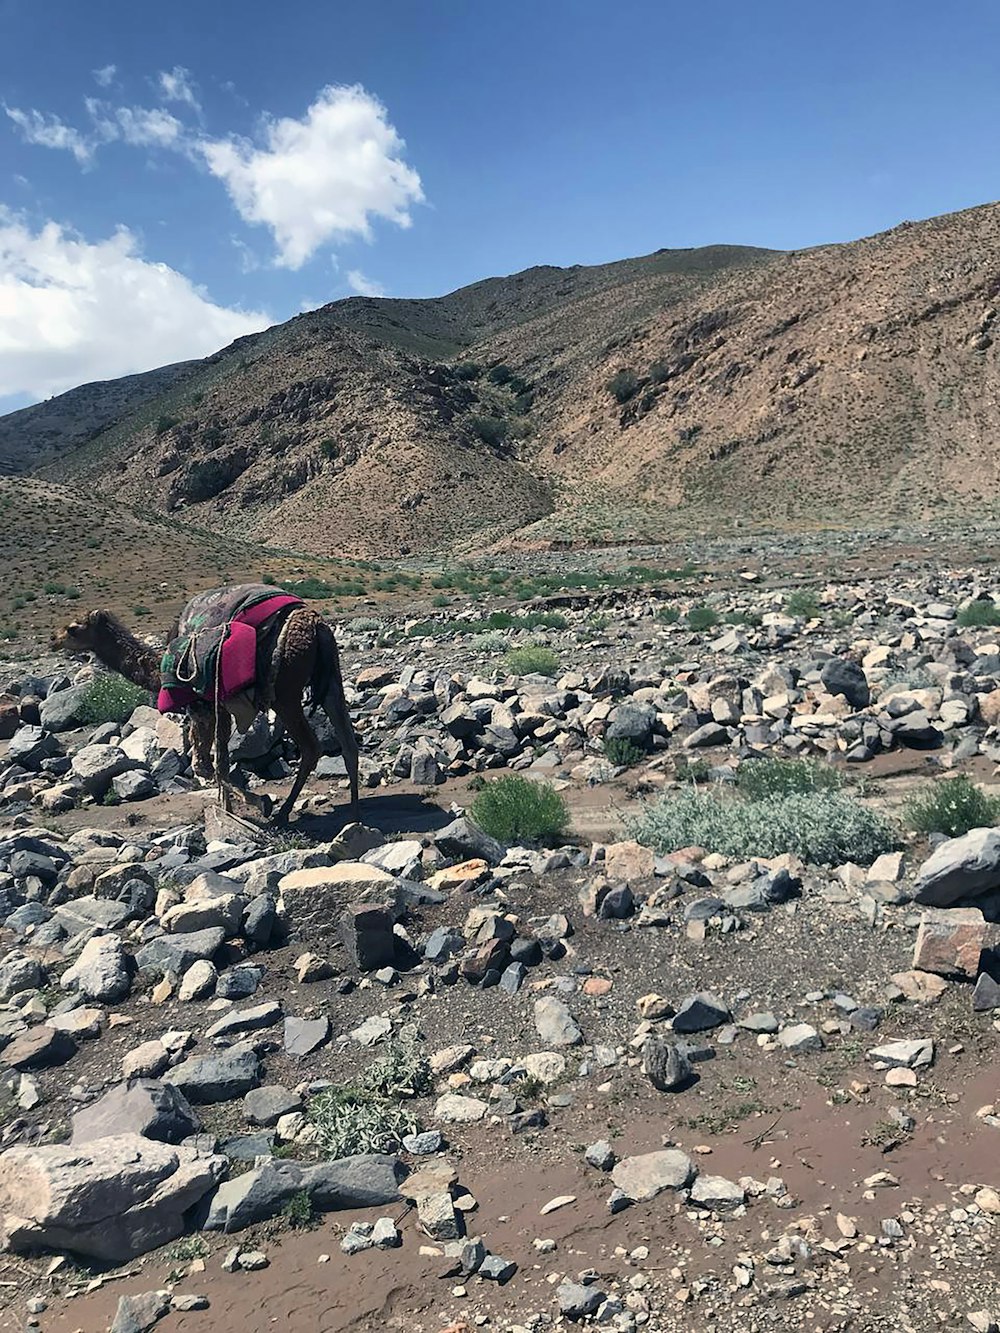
(216,649)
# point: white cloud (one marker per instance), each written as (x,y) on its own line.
(51,132)
(105,76)
(73,311)
(140,126)
(357,282)
(322,178)
(177,85)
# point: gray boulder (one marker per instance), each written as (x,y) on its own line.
(96,765)
(62,711)
(839,676)
(960,870)
(698,1013)
(101,972)
(216,1078)
(366,1181)
(462,840)
(31,746)
(144,1106)
(632,722)
(555,1024)
(111,1199)
(176,953)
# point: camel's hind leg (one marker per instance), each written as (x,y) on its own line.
(297,725)
(335,707)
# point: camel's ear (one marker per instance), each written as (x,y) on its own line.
(97,619)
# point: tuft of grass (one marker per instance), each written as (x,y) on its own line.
(979,614)
(823,827)
(532,659)
(803,605)
(515,809)
(623,385)
(668,615)
(702,617)
(110,698)
(620,752)
(952,806)
(764,779)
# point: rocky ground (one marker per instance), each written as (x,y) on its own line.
(395,1074)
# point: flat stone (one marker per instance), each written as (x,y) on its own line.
(41,1047)
(315,899)
(798,1038)
(144,1106)
(176,953)
(265,1106)
(254,1019)
(216,1078)
(960,869)
(302,1036)
(454,1108)
(645,1176)
(717,1194)
(904,1054)
(920,987)
(555,1024)
(951,942)
(700,1012)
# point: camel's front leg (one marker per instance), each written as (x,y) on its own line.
(303,736)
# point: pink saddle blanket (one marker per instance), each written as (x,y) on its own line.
(237,665)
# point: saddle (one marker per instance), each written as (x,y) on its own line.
(222,647)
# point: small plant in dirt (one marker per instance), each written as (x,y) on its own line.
(952,806)
(668,615)
(691,770)
(491,430)
(164,424)
(492,641)
(803,605)
(623,385)
(532,660)
(763,779)
(978,614)
(298,1212)
(515,809)
(402,1071)
(702,617)
(186,1249)
(110,698)
(826,828)
(623,753)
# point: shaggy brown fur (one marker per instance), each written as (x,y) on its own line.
(309,657)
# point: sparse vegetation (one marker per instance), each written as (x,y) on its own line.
(623,385)
(979,614)
(823,827)
(952,806)
(622,753)
(764,779)
(803,604)
(515,809)
(351,1120)
(491,430)
(532,659)
(298,1212)
(110,698)
(702,617)
(165,423)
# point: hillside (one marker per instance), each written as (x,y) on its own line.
(683,391)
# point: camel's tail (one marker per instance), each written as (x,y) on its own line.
(328,692)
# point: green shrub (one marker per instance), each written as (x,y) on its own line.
(110,698)
(468,370)
(351,1120)
(659,372)
(298,1211)
(623,385)
(952,806)
(329,448)
(620,752)
(532,659)
(491,430)
(54,589)
(979,614)
(702,617)
(515,809)
(803,604)
(668,615)
(763,779)
(490,641)
(822,827)
(691,770)
(164,424)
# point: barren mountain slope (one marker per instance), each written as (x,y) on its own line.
(35,434)
(687,390)
(847,381)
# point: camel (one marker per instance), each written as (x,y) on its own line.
(308,657)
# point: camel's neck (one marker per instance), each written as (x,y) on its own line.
(122,652)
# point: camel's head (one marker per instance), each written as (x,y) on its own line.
(82,636)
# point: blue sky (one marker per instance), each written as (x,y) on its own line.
(173,176)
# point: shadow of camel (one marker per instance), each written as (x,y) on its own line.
(392,813)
